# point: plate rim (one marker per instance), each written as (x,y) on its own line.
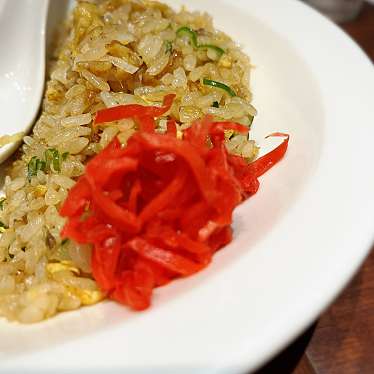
(239,361)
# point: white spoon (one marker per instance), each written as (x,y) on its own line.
(22,66)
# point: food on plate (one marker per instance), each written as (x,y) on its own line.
(135,165)
(8,139)
(159,208)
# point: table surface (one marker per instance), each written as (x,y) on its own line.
(342,341)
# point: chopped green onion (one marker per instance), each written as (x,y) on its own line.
(2,200)
(64,156)
(52,157)
(168,46)
(222,86)
(34,166)
(40,165)
(215,48)
(186,31)
(31,167)
(215,104)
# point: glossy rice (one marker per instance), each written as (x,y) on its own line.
(111,52)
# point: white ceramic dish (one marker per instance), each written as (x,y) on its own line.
(297,242)
(22,66)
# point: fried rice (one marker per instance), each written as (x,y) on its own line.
(111,52)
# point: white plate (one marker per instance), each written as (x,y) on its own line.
(297,242)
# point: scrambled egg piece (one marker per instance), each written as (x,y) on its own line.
(86,296)
(40,190)
(225,61)
(55,267)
